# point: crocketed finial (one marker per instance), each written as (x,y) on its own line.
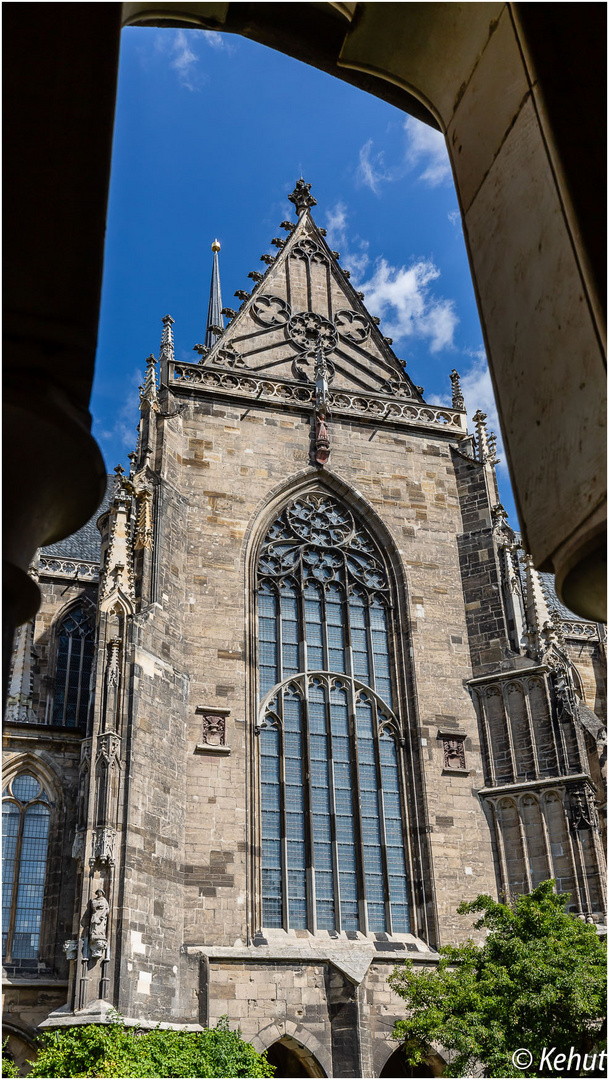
(301,197)
(458,399)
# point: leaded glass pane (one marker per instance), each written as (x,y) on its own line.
(73,669)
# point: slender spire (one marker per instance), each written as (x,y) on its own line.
(214,311)
(458,399)
(482,436)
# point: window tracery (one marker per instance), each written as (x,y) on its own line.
(333,853)
(25,836)
(75,647)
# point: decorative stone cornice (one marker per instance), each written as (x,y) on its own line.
(218,383)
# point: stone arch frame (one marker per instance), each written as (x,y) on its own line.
(418,856)
(84,600)
(42,766)
(17,1028)
(270,1035)
(385,1049)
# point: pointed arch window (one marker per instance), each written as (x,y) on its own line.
(75,642)
(25,837)
(333,816)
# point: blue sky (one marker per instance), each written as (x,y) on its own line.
(212,132)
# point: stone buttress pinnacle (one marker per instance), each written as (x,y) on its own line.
(215,321)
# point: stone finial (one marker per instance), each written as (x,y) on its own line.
(301,197)
(148,394)
(481,435)
(540,634)
(458,399)
(256,276)
(215,325)
(492,448)
(278,242)
(289,226)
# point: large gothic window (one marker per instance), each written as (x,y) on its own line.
(332,812)
(73,669)
(25,835)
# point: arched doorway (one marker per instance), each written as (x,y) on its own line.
(291,1058)
(397,1066)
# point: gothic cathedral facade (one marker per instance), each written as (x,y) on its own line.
(300,695)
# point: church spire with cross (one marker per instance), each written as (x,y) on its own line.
(215,321)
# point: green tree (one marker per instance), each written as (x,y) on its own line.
(538,981)
(113,1050)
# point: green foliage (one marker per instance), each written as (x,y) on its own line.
(113,1050)
(538,981)
(8,1065)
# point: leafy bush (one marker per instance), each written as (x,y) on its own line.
(113,1050)
(538,981)
(8,1065)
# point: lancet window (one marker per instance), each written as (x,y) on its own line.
(75,645)
(25,835)
(333,816)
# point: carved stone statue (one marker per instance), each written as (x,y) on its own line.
(98,924)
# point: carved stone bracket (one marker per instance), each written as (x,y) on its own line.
(453,749)
(582,809)
(213,730)
(104,840)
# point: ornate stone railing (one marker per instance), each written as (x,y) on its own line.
(72,568)
(302,395)
(583,631)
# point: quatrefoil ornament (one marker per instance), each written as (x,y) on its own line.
(352,325)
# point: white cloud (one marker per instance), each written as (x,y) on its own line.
(424,153)
(216,40)
(371,171)
(354,260)
(122,435)
(478,393)
(454,216)
(184,61)
(179,47)
(426,148)
(404,297)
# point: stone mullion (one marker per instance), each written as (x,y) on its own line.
(371,664)
(324,629)
(329,290)
(288,284)
(79,684)
(503,870)
(547,843)
(582,872)
(578,876)
(356,805)
(527,706)
(507,722)
(284,830)
(524,847)
(15,889)
(601,865)
(67,681)
(486,731)
(308,811)
(338,915)
(562,757)
(308,276)
(380,796)
(413,914)
(279,635)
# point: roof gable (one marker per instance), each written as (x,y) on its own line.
(305,297)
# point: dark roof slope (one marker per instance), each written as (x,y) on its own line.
(86,543)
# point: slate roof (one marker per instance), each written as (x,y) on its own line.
(85,544)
